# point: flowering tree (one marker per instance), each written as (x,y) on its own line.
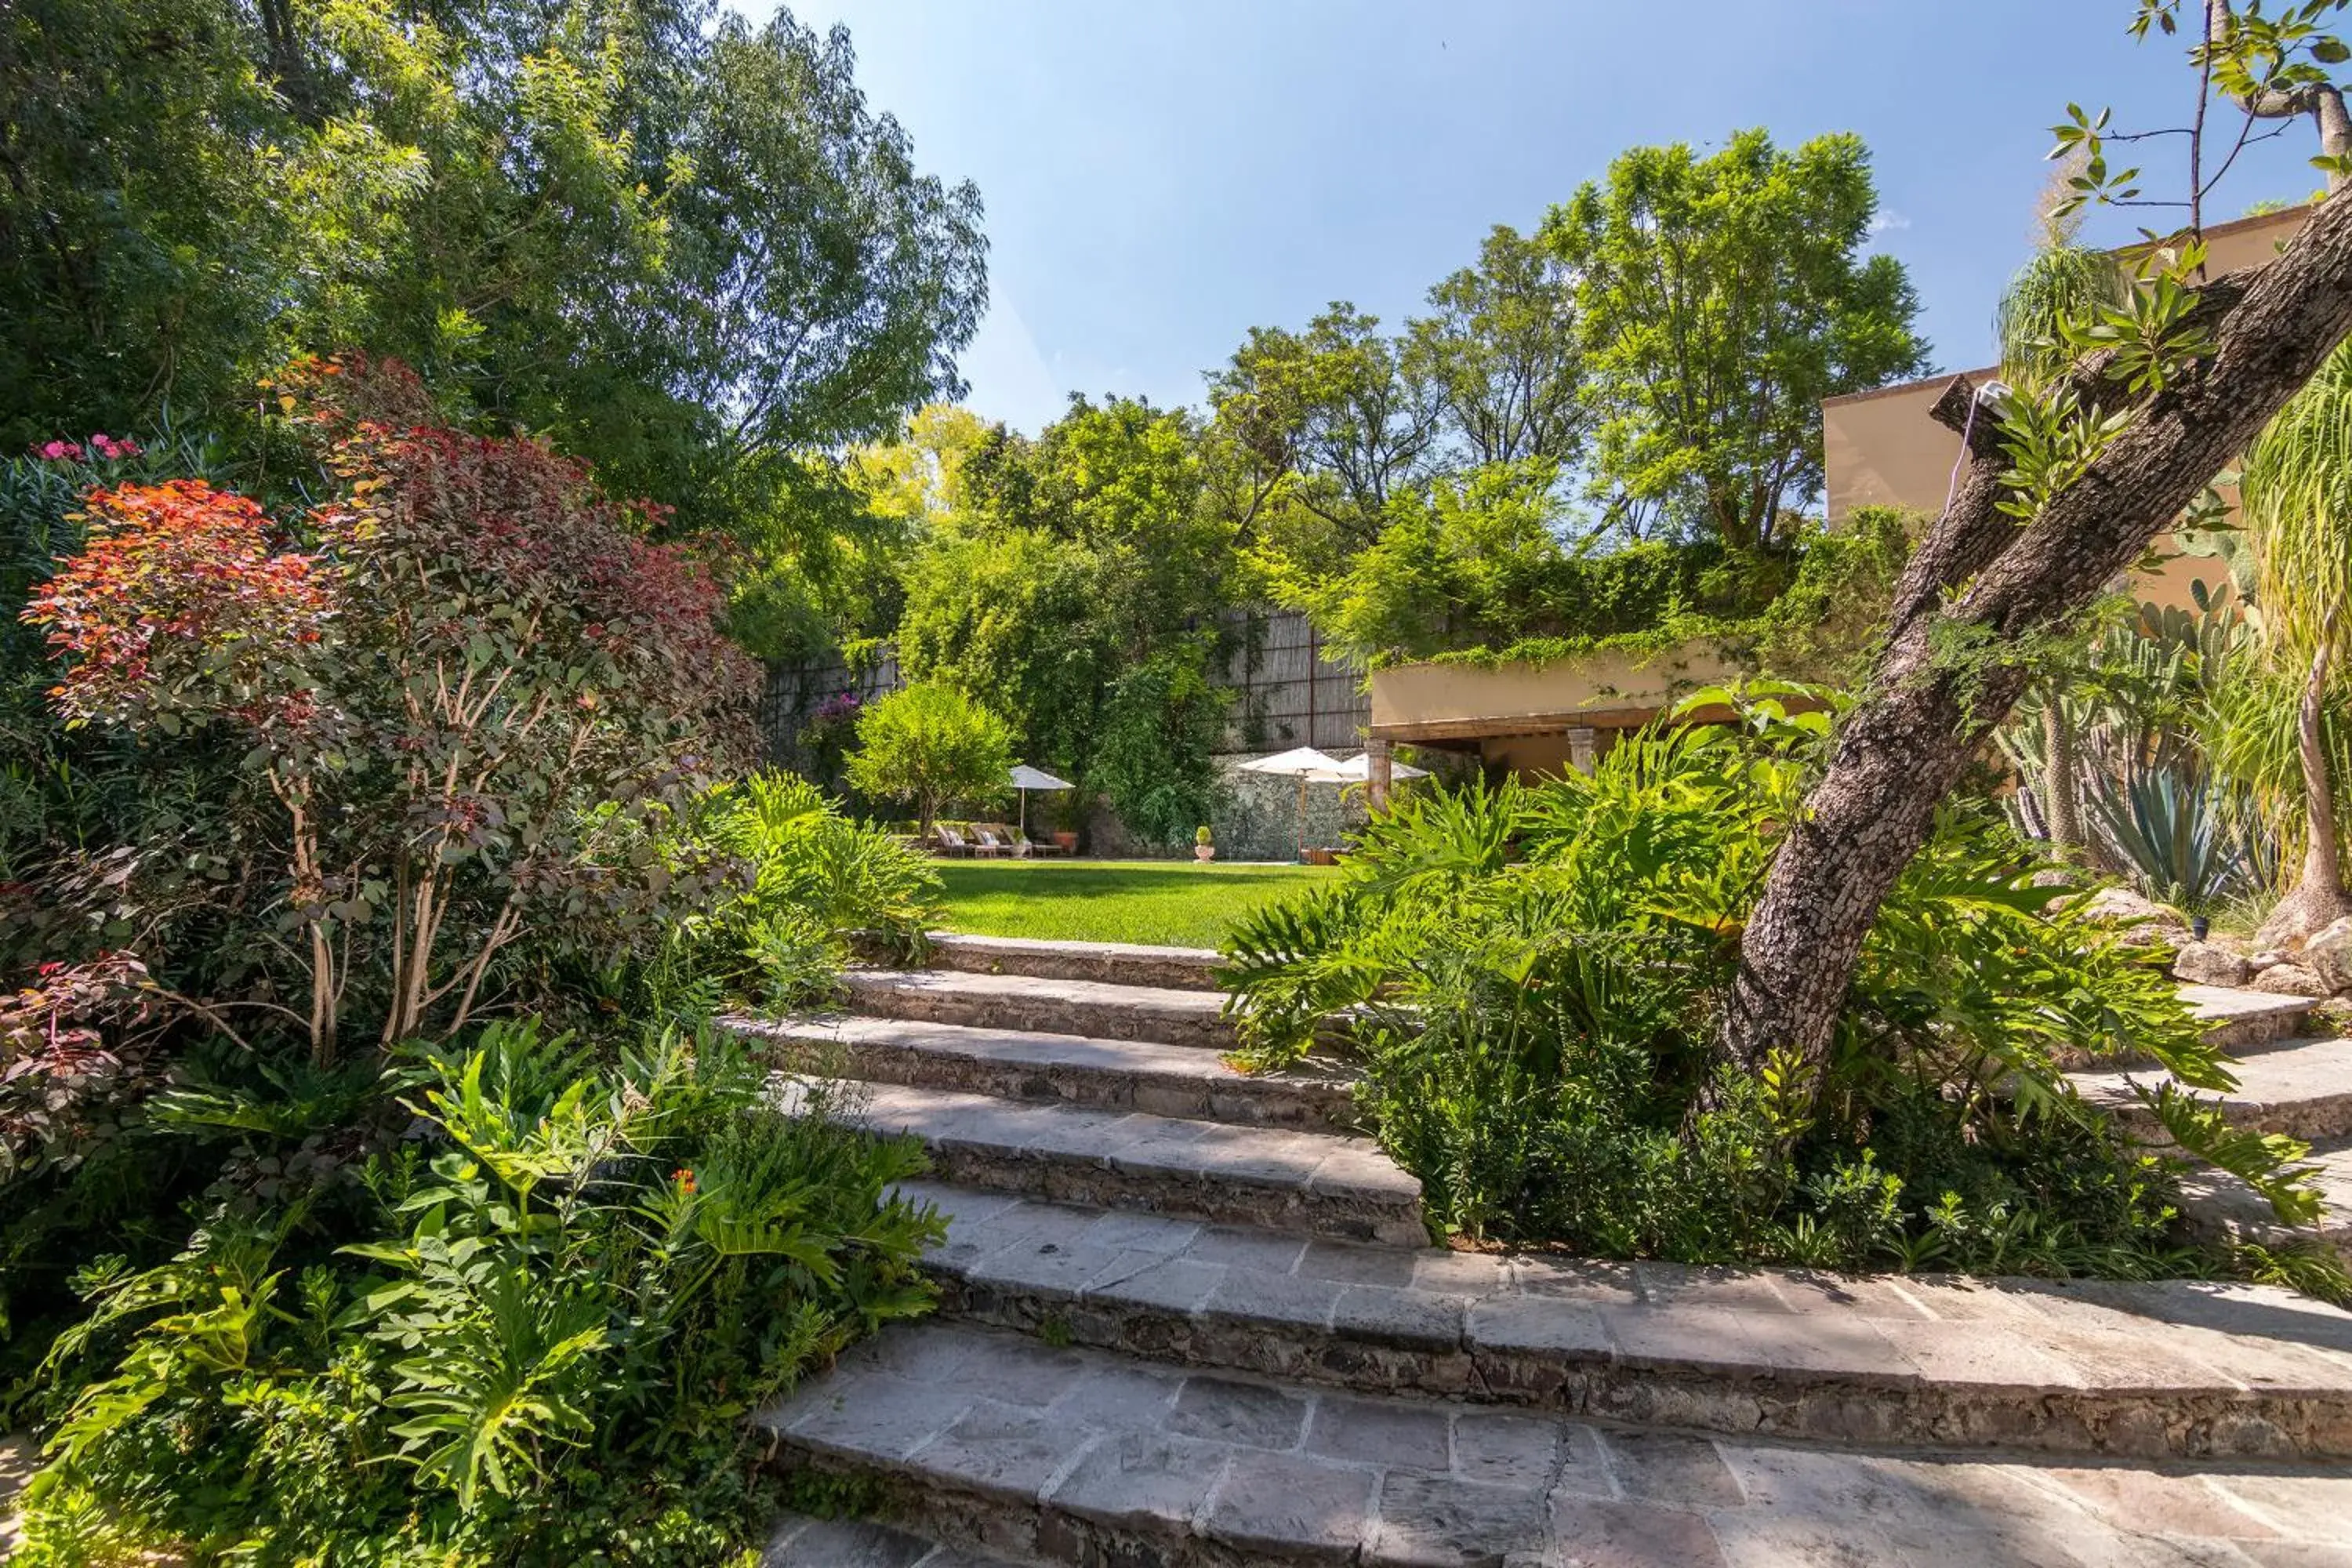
(475,672)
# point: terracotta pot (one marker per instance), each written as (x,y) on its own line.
(1068,840)
(1204,851)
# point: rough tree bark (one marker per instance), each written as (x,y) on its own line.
(1981,585)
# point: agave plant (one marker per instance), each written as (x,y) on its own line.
(2170,832)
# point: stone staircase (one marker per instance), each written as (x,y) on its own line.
(2289,1080)
(1190,1317)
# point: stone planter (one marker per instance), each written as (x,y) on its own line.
(1204,851)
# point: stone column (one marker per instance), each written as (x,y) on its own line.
(1378,774)
(1579,748)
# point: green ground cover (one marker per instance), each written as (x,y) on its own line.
(1182,903)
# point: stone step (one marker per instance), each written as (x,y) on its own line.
(1002,1444)
(2240,1022)
(1093,1008)
(796,1541)
(1305,1184)
(1107,1075)
(1109,962)
(2301,1087)
(2220,1206)
(2154,1371)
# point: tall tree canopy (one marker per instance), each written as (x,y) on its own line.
(647,228)
(1661,344)
(1721,299)
(1072,582)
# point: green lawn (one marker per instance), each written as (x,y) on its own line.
(1178,903)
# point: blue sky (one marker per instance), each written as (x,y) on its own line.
(1160,178)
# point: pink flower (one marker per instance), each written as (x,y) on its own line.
(65,450)
(112,449)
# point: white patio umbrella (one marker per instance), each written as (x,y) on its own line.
(1359,770)
(1305,765)
(1026,778)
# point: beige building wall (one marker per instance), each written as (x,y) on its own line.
(1880,449)
(1541,719)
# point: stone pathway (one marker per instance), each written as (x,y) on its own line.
(1066,1456)
(2288,1083)
(17,1459)
(1188,1319)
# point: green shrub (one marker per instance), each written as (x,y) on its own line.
(436,693)
(811,881)
(930,745)
(1153,760)
(564,1301)
(1475,570)
(1535,970)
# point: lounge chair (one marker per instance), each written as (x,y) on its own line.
(1015,842)
(1041,846)
(951,842)
(989,840)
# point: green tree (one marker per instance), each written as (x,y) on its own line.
(1721,299)
(1065,564)
(1501,351)
(2296,495)
(1317,430)
(1462,562)
(2063,488)
(1013,614)
(667,239)
(930,744)
(158,212)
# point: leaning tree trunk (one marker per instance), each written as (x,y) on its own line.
(1978,589)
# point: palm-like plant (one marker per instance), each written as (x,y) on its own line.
(2296,496)
(2063,282)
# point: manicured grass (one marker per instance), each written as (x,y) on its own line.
(1176,903)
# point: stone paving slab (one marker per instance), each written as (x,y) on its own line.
(800,1541)
(2220,1204)
(2301,1087)
(20,1455)
(1226,1469)
(1113,963)
(1312,1184)
(2237,1020)
(1100,1010)
(1115,1075)
(2178,1369)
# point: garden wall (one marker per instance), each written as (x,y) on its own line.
(795,691)
(1285,693)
